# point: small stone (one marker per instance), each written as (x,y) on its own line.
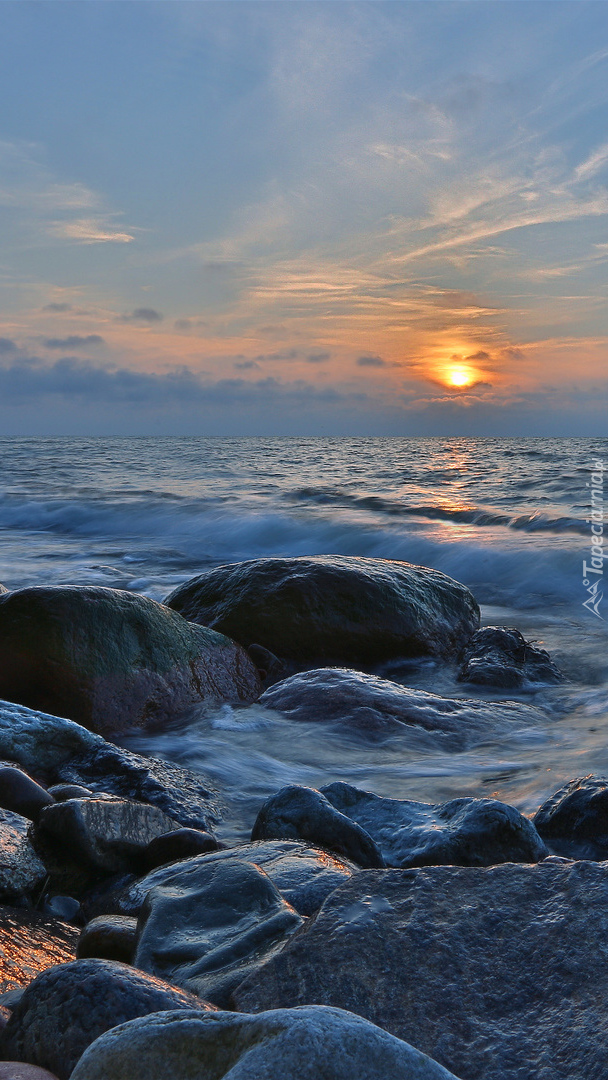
(574,821)
(21,794)
(501,656)
(108,937)
(178,844)
(62,907)
(62,792)
(17,1070)
(301,813)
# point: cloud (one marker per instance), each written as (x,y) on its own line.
(246,365)
(142,314)
(594,163)
(317,357)
(57,307)
(88,231)
(371,361)
(74,341)
(79,380)
(7,346)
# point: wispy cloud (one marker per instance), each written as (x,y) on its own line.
(89,231)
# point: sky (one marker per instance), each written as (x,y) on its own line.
(303,218)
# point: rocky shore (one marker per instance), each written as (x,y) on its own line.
(354,937)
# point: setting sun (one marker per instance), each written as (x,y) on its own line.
(459,376)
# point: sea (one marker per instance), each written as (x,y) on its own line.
(510,518)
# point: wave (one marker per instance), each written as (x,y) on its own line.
(468,515)
(171,542)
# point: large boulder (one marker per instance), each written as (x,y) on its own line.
(61,750)
(67,1007)
(211,925)
(497,972)
(113,660)
(462,832)
(31,943)
(500,656)
(373,708)
(309,1044)
(303,875)
(302,813)
(21,794)
(333,608)
(574,821)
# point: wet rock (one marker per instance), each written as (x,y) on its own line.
(113,660)
(305,1043)
(17,1070)
(175,845)
(63,907)
(30,943)
(496,972)
(211,925)
(301,813)
(110,835)
(375,707)
(462,832)
(270,668)
(109,937)
(574,821)
(66,1008)
(21,794)
(303,875)
(338,609)
(501,656)
(64,751)
(62,792)
(21,871)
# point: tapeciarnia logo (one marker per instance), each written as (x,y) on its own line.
(593,571)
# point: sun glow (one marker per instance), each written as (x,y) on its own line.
(460,376)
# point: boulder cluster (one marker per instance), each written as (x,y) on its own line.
(354,937)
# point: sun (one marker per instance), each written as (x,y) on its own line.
(459,376)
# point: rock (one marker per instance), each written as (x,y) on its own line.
(333,608)
(501,656)
(303,875)
(109,937)
(109,835)
(21,794)
(310,1044)
(270,668)
(40,742)
(495,972)
(175,845)
(66,1008)
(374,707)
(462,832)
(61,792)
(574,821)
(301,813)
(21,871)
(113,660)
(65,751)
(212,925)
(16,1070)
(30,943)
(63,907)
(3,590)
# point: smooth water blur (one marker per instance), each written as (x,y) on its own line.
(505,516)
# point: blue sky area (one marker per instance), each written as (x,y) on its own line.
(303,218)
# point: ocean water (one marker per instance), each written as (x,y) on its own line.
(508,517)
